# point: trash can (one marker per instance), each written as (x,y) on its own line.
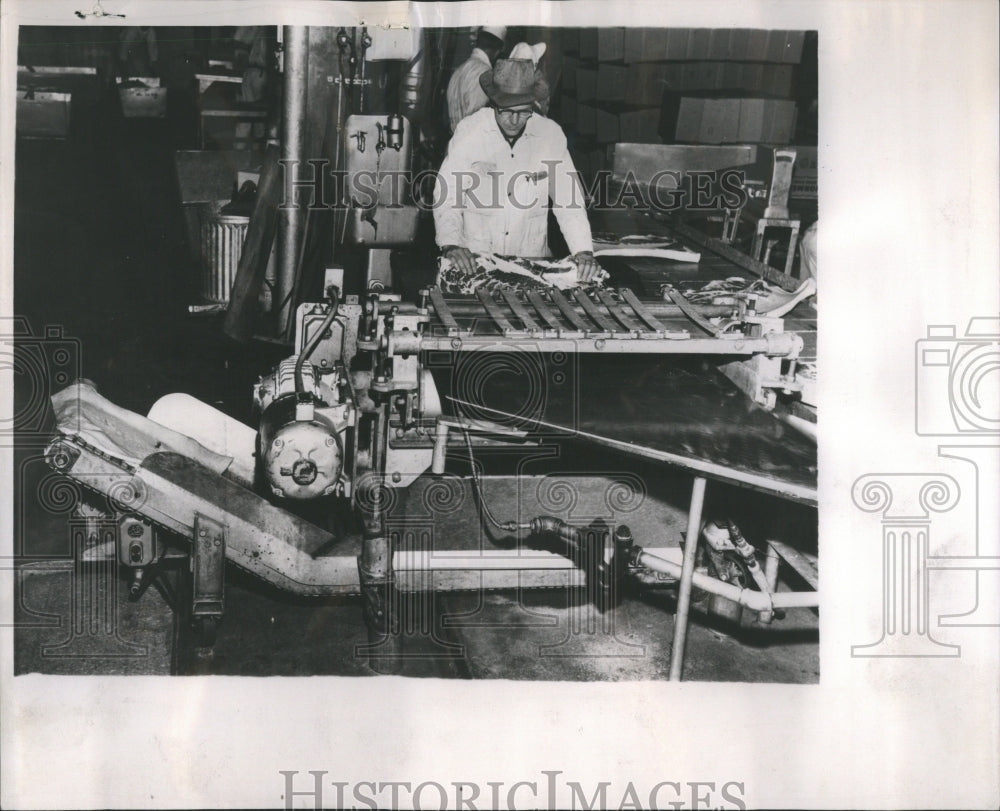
(222,238)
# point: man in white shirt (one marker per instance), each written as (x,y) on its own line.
(465,94)
(504,165)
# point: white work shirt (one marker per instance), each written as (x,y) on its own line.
(465,94)
(492,197)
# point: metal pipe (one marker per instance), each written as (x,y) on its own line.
(460,560)
(687,576)
(772,560)
(803,426)
(754,600)
(660,309)
(293,145)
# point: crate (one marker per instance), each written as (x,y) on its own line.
(145,100)
(43,113)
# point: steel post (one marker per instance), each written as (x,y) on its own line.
(291,220)
(687,576)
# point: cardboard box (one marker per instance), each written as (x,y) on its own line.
(586,84)
(739,41)
(567,112)
(776,81)
(613,82)
(779,123)
(569,69)
(647,83)
(606,125)
(638,84)
(688,119)
(648,44)
(610,44)
(752,78)
(720,121)
(757,45)
(717,120)
(776,46)
(571,40)
(629,126)
(588,44)
(586,119)
(640,126)
(718,46)
(677,43)
(699,43)
(751,120)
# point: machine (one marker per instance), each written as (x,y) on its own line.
(354,416)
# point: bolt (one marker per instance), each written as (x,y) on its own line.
(218,542)
(202,533)
(329,441)
(400,433)
(599,344)
(277,443)
(397,477)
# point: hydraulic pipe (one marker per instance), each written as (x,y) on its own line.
(754,600)
(291,220)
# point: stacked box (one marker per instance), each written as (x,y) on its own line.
(610,44)
(586,119)
(586,84)
(712,120)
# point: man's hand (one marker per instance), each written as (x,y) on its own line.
(461,258)
(587,269)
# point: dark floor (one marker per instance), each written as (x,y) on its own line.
(102,271)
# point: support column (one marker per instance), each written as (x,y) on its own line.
(687,577)
(291,220)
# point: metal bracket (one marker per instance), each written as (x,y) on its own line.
(208,563)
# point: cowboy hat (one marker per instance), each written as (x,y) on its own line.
(499,31)
(525,51)
(513,82)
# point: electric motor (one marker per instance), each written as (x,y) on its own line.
(300,449)
(301,433)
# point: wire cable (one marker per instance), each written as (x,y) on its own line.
(300,385)
(505,526)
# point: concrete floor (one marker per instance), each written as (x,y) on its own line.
(100,255)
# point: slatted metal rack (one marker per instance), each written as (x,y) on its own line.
(608,321)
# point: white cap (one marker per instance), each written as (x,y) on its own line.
(525,51)
(499,31)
